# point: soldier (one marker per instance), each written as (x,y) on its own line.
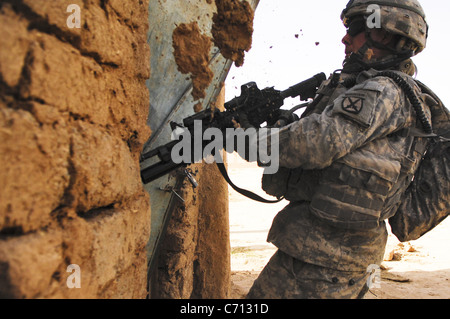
(347,161)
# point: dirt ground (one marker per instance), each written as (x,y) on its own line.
(415,270)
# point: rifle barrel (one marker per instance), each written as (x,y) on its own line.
(306,89)
(158,170)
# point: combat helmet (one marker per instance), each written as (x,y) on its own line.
(405,18)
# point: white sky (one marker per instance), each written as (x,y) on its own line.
(279,59)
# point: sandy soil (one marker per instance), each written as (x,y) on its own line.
(415,270)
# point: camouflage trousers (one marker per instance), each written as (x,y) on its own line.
(285,277)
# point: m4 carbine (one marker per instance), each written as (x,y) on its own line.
(259,106)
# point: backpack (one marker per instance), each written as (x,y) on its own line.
(426,202)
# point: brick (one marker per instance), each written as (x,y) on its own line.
(14,44)
(134,13)
(28,263)
(85,90)
(98,24)
(63,78)
(34,174)
(128,109)
(109,248)
(54,12)
(105,246)
(104,172)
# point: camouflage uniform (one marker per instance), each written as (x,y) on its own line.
(349,165)
(346,164)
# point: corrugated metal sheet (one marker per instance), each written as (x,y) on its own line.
(170,93)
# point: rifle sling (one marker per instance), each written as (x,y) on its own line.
(244,192)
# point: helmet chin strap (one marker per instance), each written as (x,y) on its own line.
(361,60)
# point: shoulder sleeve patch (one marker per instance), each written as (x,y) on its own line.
(359,103)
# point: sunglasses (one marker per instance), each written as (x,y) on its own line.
(356,26)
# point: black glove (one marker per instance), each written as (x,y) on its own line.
(242,121)
(285,118)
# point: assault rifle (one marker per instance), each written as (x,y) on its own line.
(259,106)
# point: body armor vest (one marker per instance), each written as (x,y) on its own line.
(363,188)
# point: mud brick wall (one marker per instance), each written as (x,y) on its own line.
(73,111)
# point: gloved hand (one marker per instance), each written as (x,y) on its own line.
(242,121)
(285,118)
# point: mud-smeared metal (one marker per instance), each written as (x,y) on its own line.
(233,29)
(191,51)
